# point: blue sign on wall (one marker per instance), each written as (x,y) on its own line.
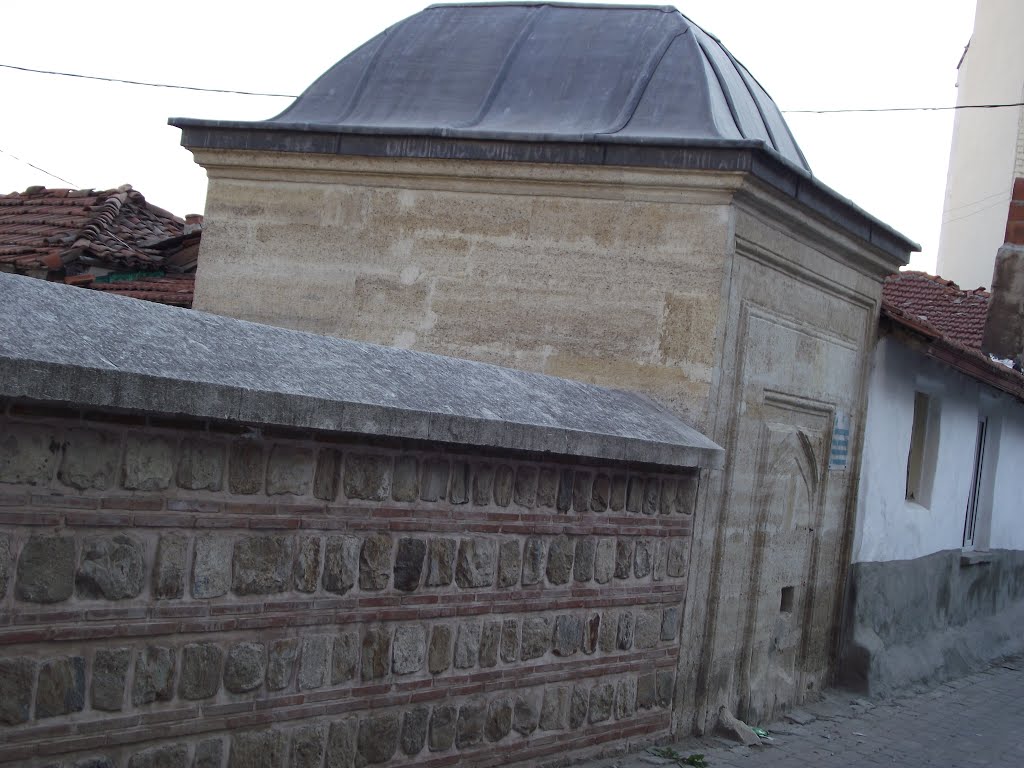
(840,456)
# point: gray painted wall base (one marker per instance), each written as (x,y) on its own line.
(930,619)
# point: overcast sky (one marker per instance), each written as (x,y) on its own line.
(808,54)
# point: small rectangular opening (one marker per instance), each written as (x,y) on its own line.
(923,454)
(786,604)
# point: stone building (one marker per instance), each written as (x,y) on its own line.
(605,194)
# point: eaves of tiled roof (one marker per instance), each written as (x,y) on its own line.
(947,324)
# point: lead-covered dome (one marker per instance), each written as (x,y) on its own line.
(545,72)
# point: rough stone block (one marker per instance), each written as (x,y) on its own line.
(525,714)
(316,651)
(200,465)
(686,494)
(469,729)
(617,494)
(345,657)
(209,754)
(61,688)
(262,564)
(547,488)
(435,480)
(406,483)
(259,749)
(604,560)
(536,637)
(169,567)
(46,569)
(510,563)
(414,730)
(648,628)
(624,631)
(306,569)
(378,737)
(409,564)
(554,710)
(200,671)
(583,563)
(90,460)
(602,697)
(341,563)
(341,743)
(643,558)
(166,756)
(669,623)
(245,467)
(375,562)
(289,471)
(608,631)
(623,558)
(368,477)
(376,655)
(568,635)
(439,655)
(16,678)
(565,485)
(408,649)
(525,492)
(591,632)
(441,734)
(600,493)
(245,667)
(560,560)
(476,563)
(440,562)
(732,727)
(659,568)
(490,639)
(461,483)
(148,463)
(5,562)
(483,483)
(28,453)
(282,656)
(534,560)
(646,695)
(509,640)
(309,744)
(635,495)
(652,495)
(667,503)
(211,567)
(109,675)
(88,762)
(625,698)
(665,682)
(499,718)
(327,474)
(467,645)
(112,568)
(678,557)
(582,490)
(578,706)
(503,481)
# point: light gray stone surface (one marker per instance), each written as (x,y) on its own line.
(147,356)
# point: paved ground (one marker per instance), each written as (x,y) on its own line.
(974,721)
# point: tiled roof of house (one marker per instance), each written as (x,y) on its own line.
(85,236)
(940,304)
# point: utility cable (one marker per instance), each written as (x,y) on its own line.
(31,165)
(900,109)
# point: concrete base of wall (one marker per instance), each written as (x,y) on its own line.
(930,619)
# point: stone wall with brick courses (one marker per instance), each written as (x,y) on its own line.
(192,594)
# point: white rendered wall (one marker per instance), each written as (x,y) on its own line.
(984,152)
(891,528)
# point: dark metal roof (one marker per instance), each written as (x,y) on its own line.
(553,83)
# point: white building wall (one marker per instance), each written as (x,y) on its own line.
(984,154)
(889,527)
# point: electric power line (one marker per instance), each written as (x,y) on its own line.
(293,96)
(149,85)
(32,165)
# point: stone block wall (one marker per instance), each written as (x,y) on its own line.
(186,594)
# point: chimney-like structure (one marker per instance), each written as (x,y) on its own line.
(1004,327)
